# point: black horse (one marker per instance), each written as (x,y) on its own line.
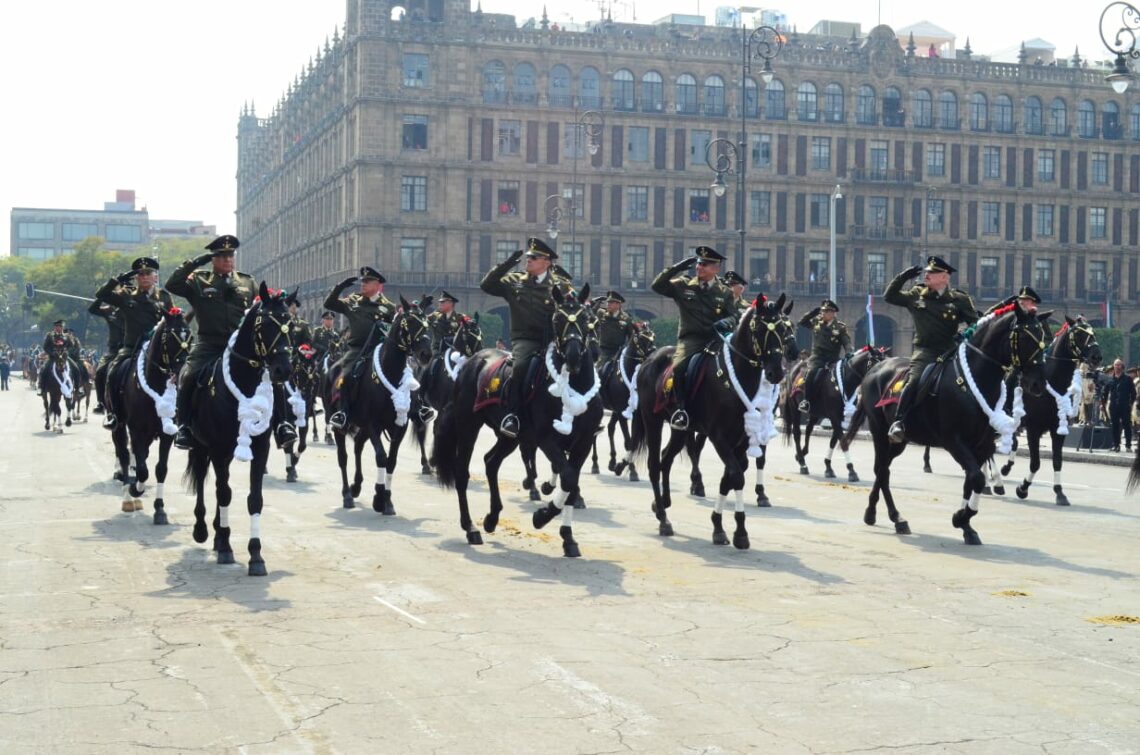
(564,394)
(325,386)
(1074,344)
(61,384)
(147,384)
(230,416)
(834,401)
(695,443)
(964,408)
(438,379)
(381,402)
(619,378)
(299,405)
(731,401)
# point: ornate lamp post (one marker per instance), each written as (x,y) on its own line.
(1119,23)
(835,196)
(590,123)
(762,43)
(554,211)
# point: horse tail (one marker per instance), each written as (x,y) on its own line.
(443,456)
(789,412)
(637,438)
(1133,473)
(855,423)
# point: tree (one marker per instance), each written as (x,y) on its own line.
(665,329)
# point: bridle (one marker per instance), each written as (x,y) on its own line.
(1037,344)
(277,327)
(408,334)
(1079,352)
(468,338)
(642,341)
(171,359)
(761,338)
(568,326)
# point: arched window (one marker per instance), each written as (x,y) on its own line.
(1110,121)
(1134,123)
(979,112)
(948,110)
(589,88)
(1058,118)
(714,95)
(525,90)
(923,109)
(1034,117)
(893,113)
(561,95)
(751,100)
(1003,114)
(833,103)
(652,92)
(686,94)
(1086,119)
(494,82)
(775,109)
(865,106)
(807,106)
(623,90)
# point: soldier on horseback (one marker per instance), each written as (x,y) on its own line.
(937,310)
(444,322)
(703,302)
(529,298)
(140,309)
(736,283)
(614,327)
(220,296)
(366,312)
(829,339)
(325,337)
(60,337)
(300,331)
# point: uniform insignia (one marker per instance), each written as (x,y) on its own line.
(835,331)
(920,304)
(209,290)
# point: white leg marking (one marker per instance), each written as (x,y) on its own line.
(224,516)
(739,501)
(1056,477)
(127,493)
(830,452)
(254,526)
(158,488)
(720,501)
(382,477)
(560,497)
(567,516)
(1029,478)
(759,476)
(847,456)
(974,501)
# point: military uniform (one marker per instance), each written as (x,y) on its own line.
(138,312)
(325,340)
(732,278)
(613,329)
(700,307)
(936,320)
(828,340)
(443,328)
(219,304)
(300,332)
(114,342)
(362,314)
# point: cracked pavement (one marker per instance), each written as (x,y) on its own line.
(391,634)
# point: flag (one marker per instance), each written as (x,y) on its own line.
(1106,310)
(870,319)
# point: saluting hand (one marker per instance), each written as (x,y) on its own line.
(912,271)
(350,280)
(202,259)
(125,277)
(515,256)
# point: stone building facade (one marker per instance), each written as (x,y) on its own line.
(432,145)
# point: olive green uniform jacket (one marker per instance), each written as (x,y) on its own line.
(362,314)
(443,328)
(219,304)
(828,340)
(531,306)
(936,318)
(138,312)
(613,330)
(700,308)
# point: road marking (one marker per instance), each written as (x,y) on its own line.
(595,699)
(397,609)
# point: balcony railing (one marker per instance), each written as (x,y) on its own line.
(882,175)
(903,233)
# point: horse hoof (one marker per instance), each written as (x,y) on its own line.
(355,489)
(474,538)
(595,469)
(160,518)
(136,490)
(117,476)
(1062,499)
(852,477)
(348,503)
(999,490)
(200,533)
(534,496)
(971,538)
(1022,491)
(633,476)
(329,441)
(986,490)
(225,558)
(720,538)
(68,423)
(577,502)
(570,550)
(290,474)
(740,541)
(389,509)
(1005,469)
(665,529)
(257,569)
(828,473)
(612,466)
(763,501)
(547,488)
(619,468)
(926,468)
(426,470)
(869,517)
(902,527)
(697,489)
(490,523)
(542,517)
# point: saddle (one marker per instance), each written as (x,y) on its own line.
(492,383)
(927,384)
(694,377)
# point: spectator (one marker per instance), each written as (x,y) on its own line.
(5,371)
(1120,395)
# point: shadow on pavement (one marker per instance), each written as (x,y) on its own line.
(363,517)
(196,576)
(761,560)
(137,528)
(596,577)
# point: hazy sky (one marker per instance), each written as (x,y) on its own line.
(102,95)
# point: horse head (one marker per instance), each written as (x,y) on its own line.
(574,327)
(410,330)
(268,330)
(468,336)
(1017,339)
(1080,339)
(641,341)
(760,337)
(173,340)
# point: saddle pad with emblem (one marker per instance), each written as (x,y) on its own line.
(491,380)
(664,392)
(894,388)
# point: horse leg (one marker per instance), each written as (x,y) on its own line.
(803,453)
(660,502)
(140,448)
(677,441)
(762,499)
(342,461)
(199,464)
(627,460)
(381,496)
(254,503)
(395,438)
(615,418)
(222,512)
(971,491)
(837,438)
(1034,441)
(421,438)
(694,444)
(466,435)
(1058,445)
(123,456)
(731,481)
(357,450)
(926,461)
(567,475)
(885,452)
(492,460)
(530,464)
(594,468)
(164,443)
(997,484)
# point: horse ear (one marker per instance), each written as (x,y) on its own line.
(584,294)
(556,294)
(781,301)
(475,317)
(263,291)
(1070,321)
(405,303)
(425,301)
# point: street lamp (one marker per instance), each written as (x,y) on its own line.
(554,213)
(1120,21)
(763,43)
(591,123)
(835,195)
(926,224)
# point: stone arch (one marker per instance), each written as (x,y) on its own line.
(885,328)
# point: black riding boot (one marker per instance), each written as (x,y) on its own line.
(183,439)
(512,399)
(809,383)
(679,420)
(339,419)
(897,432)
(284,430)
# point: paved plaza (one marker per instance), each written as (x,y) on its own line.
(380,634)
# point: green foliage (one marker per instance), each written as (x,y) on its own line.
(492,327)
(1111,343)
(665,329)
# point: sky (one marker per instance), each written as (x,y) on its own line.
(100,95)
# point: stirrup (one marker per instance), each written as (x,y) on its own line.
(805,406)
(427,413)
(897,433)
(286,434)
(110,421)
(509,427)
(680,420)
(337,421)
(183,439)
